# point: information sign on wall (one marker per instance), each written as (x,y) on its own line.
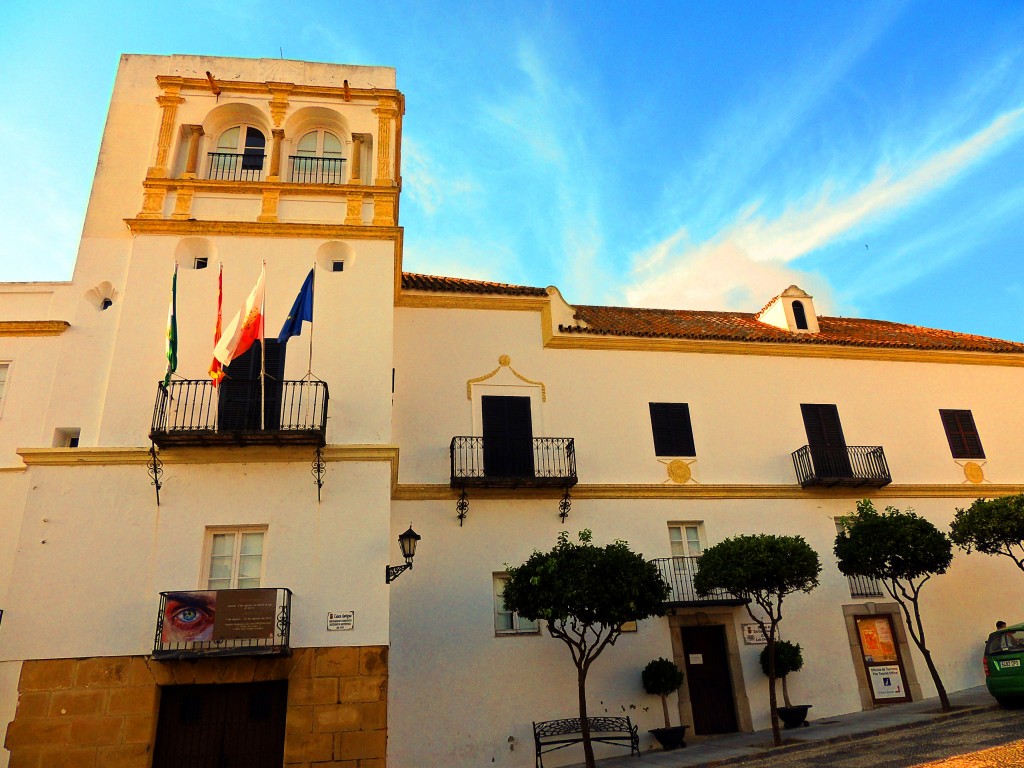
(887,682)
(341,622)
(752,635)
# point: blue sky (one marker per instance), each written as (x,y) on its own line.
(700,155)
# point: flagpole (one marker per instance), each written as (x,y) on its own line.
(263,354)
(312,290)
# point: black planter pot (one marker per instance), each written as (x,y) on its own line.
(794,717)
(671,737)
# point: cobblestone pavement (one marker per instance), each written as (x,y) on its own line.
(990,739)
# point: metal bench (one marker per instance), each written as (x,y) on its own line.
(550,735)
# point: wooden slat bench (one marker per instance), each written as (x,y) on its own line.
(550,735)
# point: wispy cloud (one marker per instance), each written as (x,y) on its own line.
(430,184)
(747,262)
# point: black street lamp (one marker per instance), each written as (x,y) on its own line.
(407,541)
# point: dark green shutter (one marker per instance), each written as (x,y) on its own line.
(672,430)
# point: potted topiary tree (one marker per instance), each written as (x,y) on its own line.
(788,658)
(660,678)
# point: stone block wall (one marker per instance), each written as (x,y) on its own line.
(102,712)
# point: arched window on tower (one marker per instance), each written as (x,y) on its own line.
(318,159)
(799,316)
(239,156)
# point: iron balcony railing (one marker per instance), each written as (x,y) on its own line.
(223,622)
(190,412)
(235,166)
(317,170)
(678,572)
(851,465)
(540,461)
(865,586)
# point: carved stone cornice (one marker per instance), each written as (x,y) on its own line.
(252,88)
(261,229)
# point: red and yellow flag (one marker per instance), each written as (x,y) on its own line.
(216,369)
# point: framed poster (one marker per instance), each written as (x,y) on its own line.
(880,654)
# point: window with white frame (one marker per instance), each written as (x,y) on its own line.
(5,369)
(239,156)
(318,159)
(508,622)
(235,557)
(687,539)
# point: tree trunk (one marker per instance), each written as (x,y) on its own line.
(943,698)
(664,705)
(773,699)
(588,748)
(785,691)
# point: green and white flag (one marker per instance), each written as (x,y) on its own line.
(172,329)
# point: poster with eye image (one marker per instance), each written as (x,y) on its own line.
(245,614)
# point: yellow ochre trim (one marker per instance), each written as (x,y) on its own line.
(261,229)
(248,87)
(33,327)
(291,189)
(504,361)
(439,492)
(450,301)
(77,457)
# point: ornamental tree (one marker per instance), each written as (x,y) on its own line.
(585,594)
(788,658)
(762,569)
(992,526)
(902,551)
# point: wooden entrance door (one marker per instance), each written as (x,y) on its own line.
(708,680)
(221,726)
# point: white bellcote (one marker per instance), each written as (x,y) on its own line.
(792,310)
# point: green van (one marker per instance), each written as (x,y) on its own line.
(1004,665)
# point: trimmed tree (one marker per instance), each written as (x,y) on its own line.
(992,526)
(762,569)
(788,658)
(662,678)
(902,551)
(585,594)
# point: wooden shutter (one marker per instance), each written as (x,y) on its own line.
(238,406)
(826,441)
(673,433)
(962,434)
(508,436)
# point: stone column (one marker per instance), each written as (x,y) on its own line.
(168,102)
(357,159)
(192,162)
(275,155)
(386,112)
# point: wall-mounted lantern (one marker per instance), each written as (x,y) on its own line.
(407,541)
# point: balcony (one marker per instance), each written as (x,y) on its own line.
(865,586)
(316,170)
(235,166)
(538,463)
(224,622)
(678,572)
(853,465)
(195,413)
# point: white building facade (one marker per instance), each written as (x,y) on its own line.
(488,416)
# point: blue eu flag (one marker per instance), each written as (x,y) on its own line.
(301,310)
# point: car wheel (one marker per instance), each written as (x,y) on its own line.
(1009,702)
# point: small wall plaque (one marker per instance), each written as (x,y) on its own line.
(341,622)
(752,635)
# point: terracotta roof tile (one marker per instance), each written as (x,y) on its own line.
(727,326)
(743,326)
(416,282)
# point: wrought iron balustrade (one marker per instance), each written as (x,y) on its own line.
(317,170)
(852,465)
(865,586)
(194,412)
(541,461)
(223,622)
(235,166)
(678,572)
